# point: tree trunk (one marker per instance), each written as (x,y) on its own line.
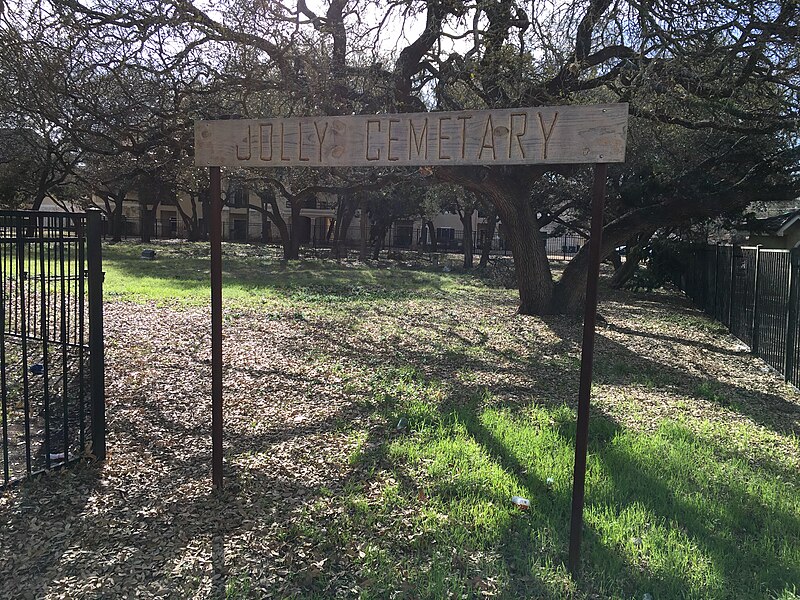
(347,209)
(466,223)
(264,227)
(42,187)
(511,196)
(294,233)
(534,279)
(636,252)
(286,236)
(190,223)
(433,243)
(362,255)
(329,233)
(378,240)
(116,219)
(570,290)
(146,224)
(509,192)
(268,198)
(39,199)
(491,226)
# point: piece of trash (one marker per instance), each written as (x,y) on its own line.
(36,369)
(647,596)
(402,424)
(148,254)
(57,456)
(549,482)
(521,502)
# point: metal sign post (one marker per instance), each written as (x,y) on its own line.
(215,236)
(587,359)
(554,135)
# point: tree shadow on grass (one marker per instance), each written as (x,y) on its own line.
(615,364)
(162,539)
(144,535)
(738,532)
(639,484)
(713,348)
(732,529)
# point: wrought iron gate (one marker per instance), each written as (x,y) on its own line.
(51,341)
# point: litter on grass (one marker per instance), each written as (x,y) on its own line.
(522,503)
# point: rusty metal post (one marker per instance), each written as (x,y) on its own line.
(94,273)
(215,236)
(587,356)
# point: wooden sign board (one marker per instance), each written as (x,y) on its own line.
(540,135)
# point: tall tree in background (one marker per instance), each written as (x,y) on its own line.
(704,66)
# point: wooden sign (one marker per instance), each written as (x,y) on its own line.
(541,135)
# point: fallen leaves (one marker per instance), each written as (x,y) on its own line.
(145,523)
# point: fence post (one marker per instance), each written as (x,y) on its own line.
(716,279)
(94,265)
(791,319)
(731,288)
(754,322)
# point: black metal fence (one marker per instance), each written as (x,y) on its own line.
(451,240)
(51,341)
(398,237)
(754,292)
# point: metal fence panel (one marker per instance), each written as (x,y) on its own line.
(47,414)
(398,237)
(743,294)
(755,292)
(773,298)
(792,367)
(724,270)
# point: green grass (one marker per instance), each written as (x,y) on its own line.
(253,276)
(693,321)
(689,508)
(677,513)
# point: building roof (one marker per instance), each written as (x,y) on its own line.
(776,225)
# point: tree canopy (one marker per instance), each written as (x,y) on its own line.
(713,79)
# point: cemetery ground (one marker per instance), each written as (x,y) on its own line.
(378,420)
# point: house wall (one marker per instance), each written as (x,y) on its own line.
(242,224)
(785,242)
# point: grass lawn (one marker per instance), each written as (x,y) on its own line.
(378,420)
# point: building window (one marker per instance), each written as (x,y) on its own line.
(240,198)
(444,234)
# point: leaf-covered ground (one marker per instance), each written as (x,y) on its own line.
(378,420)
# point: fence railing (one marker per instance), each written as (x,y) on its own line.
(51,341)
(754,292)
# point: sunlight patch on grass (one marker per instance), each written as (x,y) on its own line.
(672,513)
(181,275)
